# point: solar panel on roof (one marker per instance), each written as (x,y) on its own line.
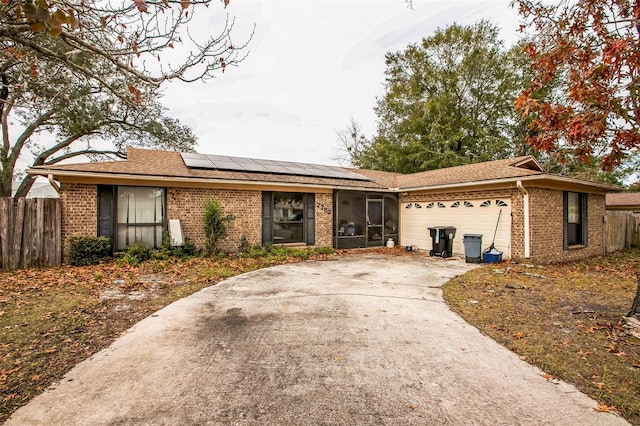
(239,164)
(279,169)
(198,162)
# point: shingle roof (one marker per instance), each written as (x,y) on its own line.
(154,164)
(386,179)
(490,170)
(629,200)
(169,164)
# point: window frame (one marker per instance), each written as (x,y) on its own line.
(162,224)
(269,222)
(275,221)
(582,233)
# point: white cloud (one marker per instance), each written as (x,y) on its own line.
(312,64)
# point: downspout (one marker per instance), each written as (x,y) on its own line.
(527,242)
(53,183)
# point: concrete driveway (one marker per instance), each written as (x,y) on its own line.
(364,339)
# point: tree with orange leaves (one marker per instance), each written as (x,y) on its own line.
(583,100)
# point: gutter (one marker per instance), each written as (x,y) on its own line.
(53,183)
(527,238)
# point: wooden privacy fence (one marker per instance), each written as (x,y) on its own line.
(30,233)
(622,230)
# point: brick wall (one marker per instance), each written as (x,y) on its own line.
(79,217)
(79,213)
(517,225)
(79,210)
(324,220)
(547,238)
(187,204)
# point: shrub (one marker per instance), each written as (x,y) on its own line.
(244,246)
(167,251)
(260,250)
(135,254)
(188,249)
(84,251)
(215,225)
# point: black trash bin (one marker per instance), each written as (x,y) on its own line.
(441,240)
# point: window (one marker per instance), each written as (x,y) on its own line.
(455,205)
(486,203)
(575,219)
(288,217)
(140,216)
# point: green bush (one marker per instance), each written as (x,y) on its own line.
(167,251)
(244,246)
(188,249)
(135,254)
(284,252)
(84,251)
(215,225)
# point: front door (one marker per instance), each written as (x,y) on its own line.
(374,223)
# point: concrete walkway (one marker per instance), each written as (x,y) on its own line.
(363,339)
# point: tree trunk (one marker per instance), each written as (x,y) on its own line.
(635,306)
(5,180)
(25,186)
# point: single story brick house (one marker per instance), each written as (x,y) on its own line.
(532,215)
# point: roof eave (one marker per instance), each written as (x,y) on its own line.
(529,159)
(97,177)
(622,206)
(546,180)
(540,178)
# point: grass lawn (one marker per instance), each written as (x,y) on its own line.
(565,318)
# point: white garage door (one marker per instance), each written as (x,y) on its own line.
(467,216)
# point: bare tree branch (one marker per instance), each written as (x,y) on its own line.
(75,76)
(85,152)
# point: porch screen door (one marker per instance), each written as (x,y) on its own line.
(374,223)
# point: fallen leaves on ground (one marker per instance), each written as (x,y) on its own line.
(604,408)
(571,319)
(53,318)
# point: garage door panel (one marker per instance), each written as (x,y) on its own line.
(466,220)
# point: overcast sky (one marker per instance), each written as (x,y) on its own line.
(312,64)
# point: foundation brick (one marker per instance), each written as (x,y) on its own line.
(79,205)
